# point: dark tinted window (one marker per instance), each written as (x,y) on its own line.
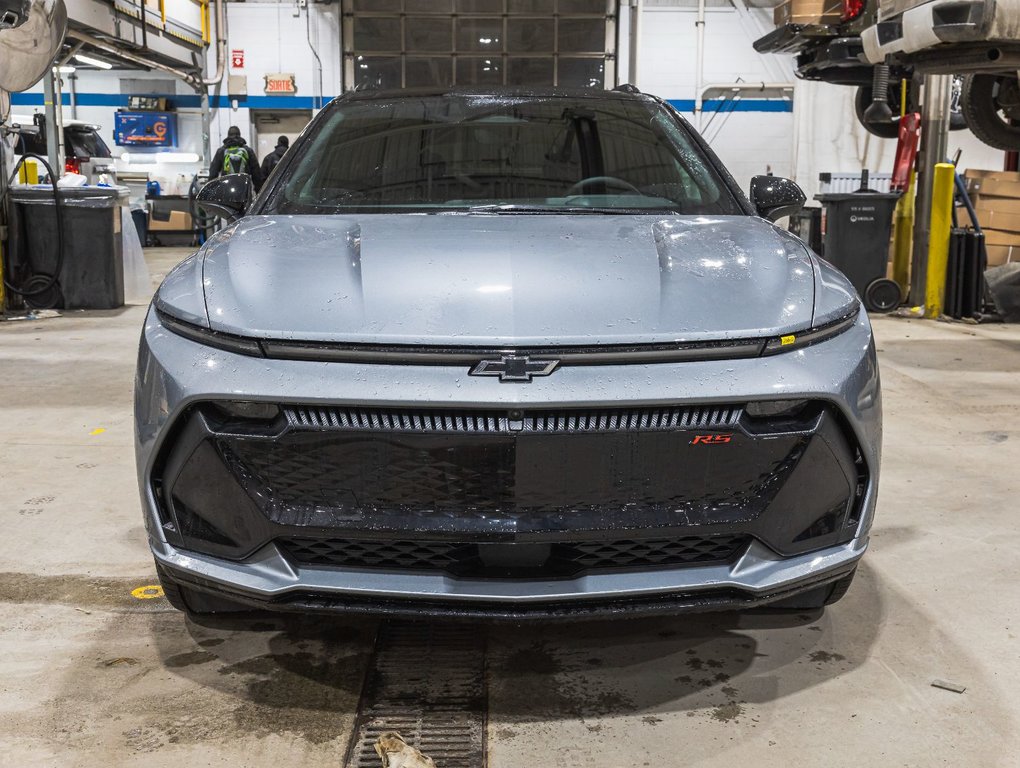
(85,142)
(460,152)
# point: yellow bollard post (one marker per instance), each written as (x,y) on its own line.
(903,236)
(938,237)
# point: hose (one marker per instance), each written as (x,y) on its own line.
(961,190)
(39,283)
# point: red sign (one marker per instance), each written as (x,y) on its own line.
(237,58)
(281,82)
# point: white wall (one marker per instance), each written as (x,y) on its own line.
(275,40)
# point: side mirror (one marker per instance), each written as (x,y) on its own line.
(228,196)
(774,197)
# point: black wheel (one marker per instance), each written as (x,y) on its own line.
(193,602)
(862,101)
(882,295)
(991,107)
(813,599)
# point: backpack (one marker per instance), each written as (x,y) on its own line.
(235,160)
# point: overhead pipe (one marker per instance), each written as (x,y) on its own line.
(189,77)
(699,67)
(742,86)
(195,81)
(221,45)
(637,8)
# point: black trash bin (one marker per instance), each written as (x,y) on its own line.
(92,272)
(858,226)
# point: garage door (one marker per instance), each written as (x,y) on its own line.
(421,43)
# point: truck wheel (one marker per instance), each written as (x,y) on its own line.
(991,107)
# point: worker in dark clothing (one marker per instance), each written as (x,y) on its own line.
(270,161)
(235,156)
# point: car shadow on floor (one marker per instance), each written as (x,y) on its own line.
(709,662)
(315,665)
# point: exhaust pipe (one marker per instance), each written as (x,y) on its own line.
(879,111)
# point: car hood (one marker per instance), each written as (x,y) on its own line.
(506,279)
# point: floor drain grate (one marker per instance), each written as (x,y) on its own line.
(427,683)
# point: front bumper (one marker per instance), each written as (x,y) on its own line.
(958,26)
(176,374)
(268,580)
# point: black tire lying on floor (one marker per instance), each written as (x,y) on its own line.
(817,598)
(991,107)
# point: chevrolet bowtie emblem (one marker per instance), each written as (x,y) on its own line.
(515,368)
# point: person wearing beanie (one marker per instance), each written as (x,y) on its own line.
(273,159)
(235,156)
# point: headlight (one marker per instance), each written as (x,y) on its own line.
(210,338)
(792,341)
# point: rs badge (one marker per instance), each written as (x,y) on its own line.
(713,439)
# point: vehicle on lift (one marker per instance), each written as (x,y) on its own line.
(506,353)
(978,39)
(833,52)
(85,152)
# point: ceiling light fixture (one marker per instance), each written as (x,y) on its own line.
(94,62)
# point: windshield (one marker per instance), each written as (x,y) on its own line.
(485,153)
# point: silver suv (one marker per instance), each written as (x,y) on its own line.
(505,353)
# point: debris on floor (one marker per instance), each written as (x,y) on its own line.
(397,753)
(948,686)
(36,314)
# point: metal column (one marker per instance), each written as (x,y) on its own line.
(52,126)
(934,146)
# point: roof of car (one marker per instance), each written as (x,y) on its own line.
(500,91)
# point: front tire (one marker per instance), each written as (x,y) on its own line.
(991,107)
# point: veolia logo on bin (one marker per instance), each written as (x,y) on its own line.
(861,213)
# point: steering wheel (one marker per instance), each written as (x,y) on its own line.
(610,181)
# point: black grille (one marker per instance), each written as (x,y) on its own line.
(558,558)
(500,422)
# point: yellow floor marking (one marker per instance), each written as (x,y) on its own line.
(97,431)
(147,592)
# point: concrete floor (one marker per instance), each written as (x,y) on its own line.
(91,675)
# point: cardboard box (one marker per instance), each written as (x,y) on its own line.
(977,173)
(1009,222)
(998,237)
(1009,206)
(808,12)
(1002,254)
(179,220)
(997,184)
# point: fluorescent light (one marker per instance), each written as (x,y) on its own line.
(159,157)
(65,70)
(94,62)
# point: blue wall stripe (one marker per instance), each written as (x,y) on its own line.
(741,105)
(191,101)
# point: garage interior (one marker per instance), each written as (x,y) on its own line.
(916,666)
